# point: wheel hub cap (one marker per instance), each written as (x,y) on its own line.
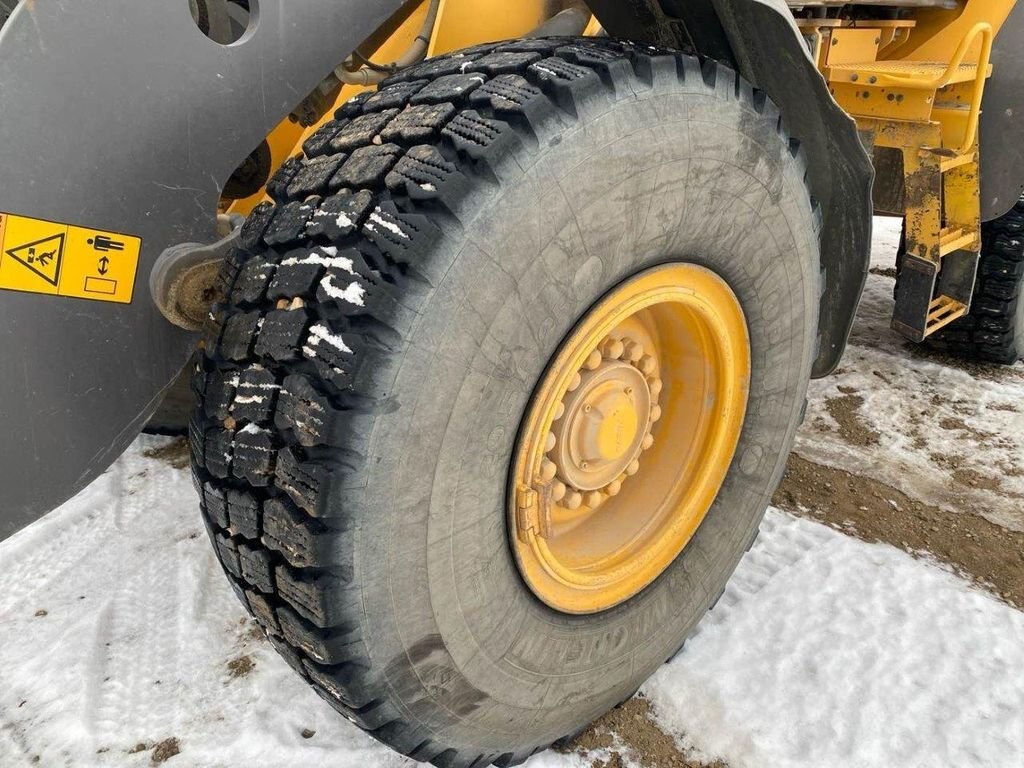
(629,438)
(605,421)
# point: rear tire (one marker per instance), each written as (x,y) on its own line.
(363,385)
(993,331)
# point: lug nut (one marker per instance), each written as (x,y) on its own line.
(573,500)
(593,360)
(655,387)
(613,488)
(574,382)
(593,499)
(549,442)
(634,351)
(647,365)
(633,468)
(655,413)
(648,441)
(613,349)
(559,411)
(548,469)
(558,490)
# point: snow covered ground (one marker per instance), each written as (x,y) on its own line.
(120,641)
(917,420)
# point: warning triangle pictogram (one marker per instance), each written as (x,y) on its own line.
(41,256)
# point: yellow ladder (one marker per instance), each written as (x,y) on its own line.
(929,112)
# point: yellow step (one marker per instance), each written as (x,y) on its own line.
(903,74)
(957,239)
(943,311)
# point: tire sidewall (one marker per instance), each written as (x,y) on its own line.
(688,173)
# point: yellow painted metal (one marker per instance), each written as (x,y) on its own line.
(943,311)
(850,44)
(905,104)
(462,23)
(920,91)
(594,28)
(938,32)
(586,549)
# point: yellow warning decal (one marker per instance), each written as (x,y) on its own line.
(38,256)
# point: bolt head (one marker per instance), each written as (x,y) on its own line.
(613,349)
(593,360)
(558,490)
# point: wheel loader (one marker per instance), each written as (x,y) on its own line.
(498,318)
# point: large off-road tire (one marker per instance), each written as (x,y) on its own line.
(993,331)
(385,325)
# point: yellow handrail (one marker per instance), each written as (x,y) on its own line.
(981,28)
(984,29)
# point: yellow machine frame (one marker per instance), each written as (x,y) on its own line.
(914,86)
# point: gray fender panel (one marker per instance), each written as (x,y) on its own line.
(1002,148)
(121,115)
(772,55)
(769,52)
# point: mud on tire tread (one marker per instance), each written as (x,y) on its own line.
(286,375)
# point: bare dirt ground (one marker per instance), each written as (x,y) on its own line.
(628,735)
(989,555)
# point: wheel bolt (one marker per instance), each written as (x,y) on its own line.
(655,387)
(573,500)
(613,349)
(634,351)
(593,360)
(648,441)
(655,413)
(593,499)
(574,382)
(558,490)
(549,442)
(647,365)
(548,469)
(613,488)
(559,411)
(633,468)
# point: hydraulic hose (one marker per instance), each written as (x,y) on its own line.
(372,74)
(572,22)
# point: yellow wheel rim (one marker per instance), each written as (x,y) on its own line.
(629,437)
